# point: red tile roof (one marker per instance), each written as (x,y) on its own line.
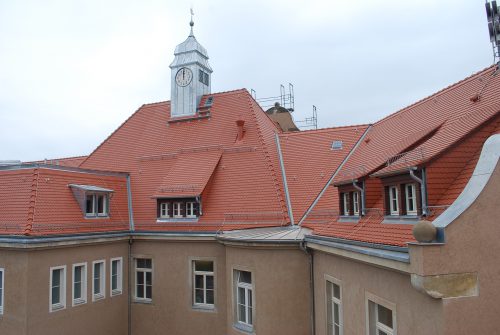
(39,201)
(310,161)
(246,180)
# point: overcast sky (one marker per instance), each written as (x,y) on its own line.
(72,71)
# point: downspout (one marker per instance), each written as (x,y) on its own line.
(362,192)
(311,286)
(285,185)
(129,201)
(358,143)
(423,188)
(129,286)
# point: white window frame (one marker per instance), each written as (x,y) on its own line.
(190,211)
(62,289)
(164,208)
(2,289)
(393,199)
(411,200)
(372,322)
(102,281)
(331,299)
(119,277)
(205,274)
(355,203)
(176,208)
(144,271)
(83,299)
(346,203)
(249,308)
(95,201)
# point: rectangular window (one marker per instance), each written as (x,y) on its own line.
(411,199)
(381,317)
(177,210)
(164,210)
(355,203)
(1,290)
(205,78)
(346,203)
(143,279)
(393,200)
(190,210)
(79,284)
(116,276)
(97,204)
(98,280)
(57,288)
(334,308)
(200,76)
(203,283)
(244,298)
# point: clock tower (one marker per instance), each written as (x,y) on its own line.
(190,76)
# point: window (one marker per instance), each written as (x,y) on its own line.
(393,200)
(203,77)
(164,210)
(96,204)
(355,203)
(244,298)
(79,284)
(203,283)
(333,308)
(98,280)
(116,276)
(57,294)
(190,210)
(381,317)
(346,203)
(1,290)
(177,210)
(143,279)
(411,199)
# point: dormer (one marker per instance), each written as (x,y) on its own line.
(93,200)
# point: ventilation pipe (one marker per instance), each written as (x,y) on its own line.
(362,192)
(423,188)
(241,131)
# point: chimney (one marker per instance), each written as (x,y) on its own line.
(241,131)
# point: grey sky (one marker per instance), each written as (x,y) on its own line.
(72,71)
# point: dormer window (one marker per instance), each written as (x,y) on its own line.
(411,199)
(350,203)
(178,209)
(346,203)
(355,203)
(402,196)
(93,200)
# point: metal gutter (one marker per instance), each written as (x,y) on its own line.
(61,168)
(335,174)
(129,202)
(285,184)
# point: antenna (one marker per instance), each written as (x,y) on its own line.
(493,27)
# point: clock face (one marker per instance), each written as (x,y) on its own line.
(183,77)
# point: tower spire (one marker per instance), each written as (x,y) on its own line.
(191,23)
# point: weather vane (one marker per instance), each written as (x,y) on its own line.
(191,23)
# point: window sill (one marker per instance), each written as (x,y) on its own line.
(401,219)
(97,216)
(243,328)
(349,218)
(115,293)
(55,308)
(174,219)
(143,301)
(97,297)
(78,302)
(204,308)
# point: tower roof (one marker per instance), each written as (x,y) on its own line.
(191,51)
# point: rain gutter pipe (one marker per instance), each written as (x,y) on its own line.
(362,191)
(312,308)
(423,188)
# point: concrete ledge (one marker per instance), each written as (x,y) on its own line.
(453,285)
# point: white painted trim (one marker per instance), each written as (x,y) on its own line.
(135,258)
(333,280)
(62,289)
(383,302)
(482,173)
(102,280)
(83,299)
(392,210)
(119,280)
(414,198)
(192,282)
(240,326)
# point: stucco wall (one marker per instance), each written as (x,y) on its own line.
(15,265)
(472,245)
(416,313)
(171,311)
(281,289)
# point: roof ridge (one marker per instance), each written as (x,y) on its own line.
(208,94)
(279,191)
(31,209)
(438,93)
(323,130)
